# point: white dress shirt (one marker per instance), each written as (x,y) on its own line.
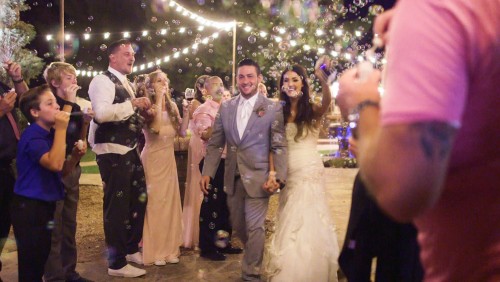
(102,95)
(245,108)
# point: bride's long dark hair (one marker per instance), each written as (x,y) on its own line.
(305,115)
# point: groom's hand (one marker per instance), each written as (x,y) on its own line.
(204,184)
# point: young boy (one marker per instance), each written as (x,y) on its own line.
(61,263)
(40,159)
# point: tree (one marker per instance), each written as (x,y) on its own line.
(14,35)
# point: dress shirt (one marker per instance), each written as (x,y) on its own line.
(102,95)
(245,108)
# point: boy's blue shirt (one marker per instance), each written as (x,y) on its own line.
(35,181)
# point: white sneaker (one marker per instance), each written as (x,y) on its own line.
(160,263)
(173,260)
(127,271)
(135,258)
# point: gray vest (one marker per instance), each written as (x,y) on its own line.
(124,132)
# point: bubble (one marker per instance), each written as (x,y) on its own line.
(375,10)
(119,194)
(154,19)
(201,2)
(208,69)
(90,18)
(90,68)
(143,5)
(179,70)
(35,4)
(227,78)
(211,225)
(46,55)
(49,5)
(221,238)
(143,197)
(50,224)
(71,22)
(88,29)
(158,45)
(283,46)
(252,39)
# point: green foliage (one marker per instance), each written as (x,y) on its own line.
(19,35)
(341,163)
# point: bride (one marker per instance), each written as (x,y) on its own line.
(304,246)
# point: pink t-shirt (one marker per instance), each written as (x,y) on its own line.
(444,64)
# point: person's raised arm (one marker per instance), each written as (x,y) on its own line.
(54,159)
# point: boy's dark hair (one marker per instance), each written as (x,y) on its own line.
(115,45)
(250,62)
(31,100)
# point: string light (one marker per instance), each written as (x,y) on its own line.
(158,62)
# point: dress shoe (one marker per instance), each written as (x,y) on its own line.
(160,263)
(135,258)
(215,256)
(231,250)
(250,277)
(127,271)
(172,260)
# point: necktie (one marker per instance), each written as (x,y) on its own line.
(129,89)
(245,112)
(14,125)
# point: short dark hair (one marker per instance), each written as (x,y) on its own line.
(250,62)
(115,45)
(31,100)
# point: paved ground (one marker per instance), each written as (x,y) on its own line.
(191,266)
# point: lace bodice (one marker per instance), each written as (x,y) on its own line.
(303,158)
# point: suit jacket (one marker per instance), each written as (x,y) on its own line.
(264,133)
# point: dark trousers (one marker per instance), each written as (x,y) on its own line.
(61,263)
(370,233)
(7,181)
(33,222)
(125,201)
(214,213)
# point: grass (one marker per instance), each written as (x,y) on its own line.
(88,157)
(90,169)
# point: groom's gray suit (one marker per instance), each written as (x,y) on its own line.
(247,168)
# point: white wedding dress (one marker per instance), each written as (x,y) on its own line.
(304,245)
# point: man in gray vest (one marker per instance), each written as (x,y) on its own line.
(113,137)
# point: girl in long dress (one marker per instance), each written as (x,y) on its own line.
(192,194)
(304,245)
(162,235)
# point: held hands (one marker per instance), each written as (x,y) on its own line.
(205,184)
(7,102)
(61,120)
(271,185)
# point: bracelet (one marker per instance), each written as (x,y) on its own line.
(18,81)
(354,115)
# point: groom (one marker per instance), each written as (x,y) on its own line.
(252,127)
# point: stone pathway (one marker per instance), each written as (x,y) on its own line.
(191,266)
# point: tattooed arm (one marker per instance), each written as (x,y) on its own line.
(404,165)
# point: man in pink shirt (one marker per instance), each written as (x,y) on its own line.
(430,153)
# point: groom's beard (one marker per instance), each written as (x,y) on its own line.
(253,91)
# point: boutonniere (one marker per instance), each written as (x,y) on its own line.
(260,111)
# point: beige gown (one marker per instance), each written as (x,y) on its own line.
(192,195)
(163,222)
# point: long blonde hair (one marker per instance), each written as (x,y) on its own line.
(169,104)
